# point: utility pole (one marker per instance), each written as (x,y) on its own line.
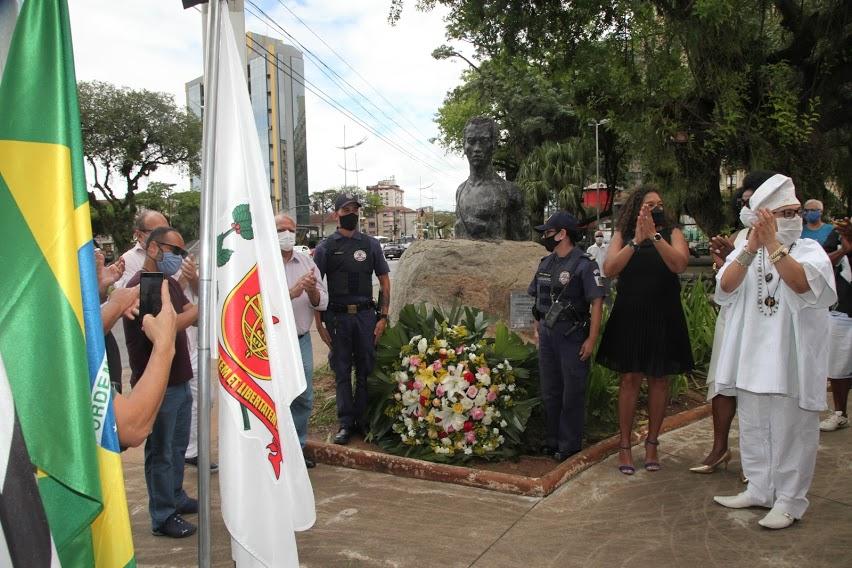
(345,148)
(596,124)
(421,188)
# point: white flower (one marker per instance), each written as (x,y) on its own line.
(404,438)
(496,431)
(468,451)
(501,387)
(480,397)
(503,424)
(484,379)
(500,366)
(511,388)
(405,361)
(467,403)
(397,396)
(442,343)
(486,420)
(472,357)
(501,439)
(446,441)
(415,339)
(422,345)
(506,363)
(402,377)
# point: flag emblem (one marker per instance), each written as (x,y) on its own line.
(244,359)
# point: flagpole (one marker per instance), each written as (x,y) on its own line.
(205,302)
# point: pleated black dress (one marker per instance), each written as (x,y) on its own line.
(646,331)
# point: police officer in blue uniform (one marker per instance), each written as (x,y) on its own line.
(352,327)
(568,291)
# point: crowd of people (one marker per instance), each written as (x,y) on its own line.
(782,288)
(777,280)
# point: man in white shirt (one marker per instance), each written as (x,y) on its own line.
(146,221)
(598,250)
(308,294)
(777,288)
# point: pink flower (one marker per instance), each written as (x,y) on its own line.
(470,437)
(436,366)
(477,413)
(471,391)
(459,350)
(483,370)
(450,429)
(491,397)
(414,360)
(418,385)
(439,391)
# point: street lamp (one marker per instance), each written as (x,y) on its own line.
(596,124)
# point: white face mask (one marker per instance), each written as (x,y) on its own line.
(747,216)
(286,240)
(789,230)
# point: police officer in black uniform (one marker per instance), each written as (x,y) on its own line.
(348,259)
(568,291)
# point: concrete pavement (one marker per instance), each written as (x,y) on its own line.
(601,518)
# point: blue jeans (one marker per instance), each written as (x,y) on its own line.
(301,406)
(164,454)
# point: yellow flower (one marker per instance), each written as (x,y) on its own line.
(425,392)
(458,408)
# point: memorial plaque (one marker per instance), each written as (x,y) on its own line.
(520,310)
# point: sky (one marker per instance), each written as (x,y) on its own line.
(156,45)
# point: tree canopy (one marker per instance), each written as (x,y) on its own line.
(127,135)
(689,88)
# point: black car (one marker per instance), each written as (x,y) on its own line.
(393,250)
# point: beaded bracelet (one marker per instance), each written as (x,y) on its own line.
(745,258)
(779,254)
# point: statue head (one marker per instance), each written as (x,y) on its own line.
(480,141)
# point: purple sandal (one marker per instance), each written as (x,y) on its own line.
(624,468)
(652,465)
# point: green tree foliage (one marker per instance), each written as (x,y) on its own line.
(689,87)
(127,135)
(182,209)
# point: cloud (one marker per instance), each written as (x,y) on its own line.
(157,46)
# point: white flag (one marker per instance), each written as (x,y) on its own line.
(265,489)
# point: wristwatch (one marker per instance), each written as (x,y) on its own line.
(633,244)
(658,237)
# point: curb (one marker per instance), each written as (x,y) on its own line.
(333,454)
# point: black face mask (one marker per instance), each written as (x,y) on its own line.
(349,222)
(658,214)
(549,242)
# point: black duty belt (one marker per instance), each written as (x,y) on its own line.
(350,308)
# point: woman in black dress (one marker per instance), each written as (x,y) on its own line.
(646,335)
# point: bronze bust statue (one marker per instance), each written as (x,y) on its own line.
(487,206)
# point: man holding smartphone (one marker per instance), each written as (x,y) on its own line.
(166,445)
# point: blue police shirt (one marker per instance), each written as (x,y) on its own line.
(380,265)
(584,285)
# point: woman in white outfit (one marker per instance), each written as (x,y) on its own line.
(777,288)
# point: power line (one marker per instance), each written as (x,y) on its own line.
(326,98)
(369,85)
(336,79)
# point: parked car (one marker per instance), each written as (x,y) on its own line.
(393,250)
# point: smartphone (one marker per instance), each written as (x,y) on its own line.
(150,292)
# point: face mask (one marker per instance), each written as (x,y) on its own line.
(349,222)
(599,241)
(789,230)
(170,263)
(812,216)
(286,240)
(747,216)
(658,214)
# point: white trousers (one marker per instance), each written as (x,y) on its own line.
(778,448)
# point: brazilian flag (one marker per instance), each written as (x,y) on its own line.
(51,339)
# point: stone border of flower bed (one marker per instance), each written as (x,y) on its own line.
(353,458)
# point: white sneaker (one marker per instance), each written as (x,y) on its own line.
(741,501)
(834,422)
(776,519)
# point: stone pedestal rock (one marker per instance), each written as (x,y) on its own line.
(478,274)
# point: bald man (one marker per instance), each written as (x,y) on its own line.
(146,221)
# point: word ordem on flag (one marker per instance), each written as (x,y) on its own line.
(51,335)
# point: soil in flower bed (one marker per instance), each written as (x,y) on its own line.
(323,426)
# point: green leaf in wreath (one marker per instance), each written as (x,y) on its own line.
(242,221)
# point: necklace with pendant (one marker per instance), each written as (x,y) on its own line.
(768,306)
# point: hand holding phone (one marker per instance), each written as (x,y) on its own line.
(149,294)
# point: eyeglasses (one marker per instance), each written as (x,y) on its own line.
(813,210)
(787,213)
(175,249)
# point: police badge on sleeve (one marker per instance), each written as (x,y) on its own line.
(598,280)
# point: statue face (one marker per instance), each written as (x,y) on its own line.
(478,144)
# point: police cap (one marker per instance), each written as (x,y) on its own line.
(558,221)
(345,199)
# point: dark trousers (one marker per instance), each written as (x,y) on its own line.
(352,341)
(563,379)
(165,450)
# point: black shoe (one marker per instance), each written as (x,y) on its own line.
(175,527)
(214,467)
(342,437)
(309,463)
(189,507)
(547,451)
(561,456)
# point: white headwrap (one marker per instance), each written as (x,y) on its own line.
(777,191)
